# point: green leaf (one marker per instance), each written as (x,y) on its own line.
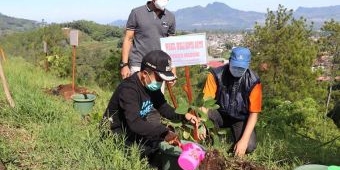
(194,108)
(209,124)
(216,140)
(209,102)
(222,132)
(186,135)
(175,123)
(190,126)
(203,115)
(182,106)
(182,109)
(215,107)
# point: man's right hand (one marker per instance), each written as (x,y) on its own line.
(125,72)
(171,137)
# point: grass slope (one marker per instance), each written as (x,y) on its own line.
(44,131)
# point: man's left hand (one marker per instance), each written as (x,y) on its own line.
(240,148)
(192,118)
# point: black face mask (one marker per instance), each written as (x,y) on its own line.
(237,71)
(228,78)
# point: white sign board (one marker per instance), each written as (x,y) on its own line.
(45,46)
(186,50)
(74,37)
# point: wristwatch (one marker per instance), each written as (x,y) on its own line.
(122,64)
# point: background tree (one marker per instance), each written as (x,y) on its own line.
(330,43)
(283,55)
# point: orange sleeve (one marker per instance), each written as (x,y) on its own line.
(255,98)
(210,87)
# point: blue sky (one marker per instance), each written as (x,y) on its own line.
(106,11)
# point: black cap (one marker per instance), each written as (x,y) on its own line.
(159,62)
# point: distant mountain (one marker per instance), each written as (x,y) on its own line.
(119,23)
(218,15)
(319,15)
(11,24)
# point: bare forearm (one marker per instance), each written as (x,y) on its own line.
(252,119)
(126,49)
(127,43)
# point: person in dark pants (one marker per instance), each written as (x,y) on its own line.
(137,105)
(238,92)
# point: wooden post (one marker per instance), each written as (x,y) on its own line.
(73,67)
(173,99)
(188,84)
(187,89)
(5,86)
(3,54)
(46,59)
(74,43)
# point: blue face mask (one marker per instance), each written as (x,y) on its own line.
(154,85)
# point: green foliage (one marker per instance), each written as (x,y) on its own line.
(302,130)
(195,107)
(330,43)
(60,65)
(95,61)
(109,77)
(96,31)
(283,44)
(29,45)
(46,132)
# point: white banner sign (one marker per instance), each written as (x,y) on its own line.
(74,37)
(186,50)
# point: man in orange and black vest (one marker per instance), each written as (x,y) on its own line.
(238,92)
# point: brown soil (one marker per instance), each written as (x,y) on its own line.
(66,91)
(215,161)
(14,134)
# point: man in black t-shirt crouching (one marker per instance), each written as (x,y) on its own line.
(138,103)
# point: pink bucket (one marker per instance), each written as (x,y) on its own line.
(191,156)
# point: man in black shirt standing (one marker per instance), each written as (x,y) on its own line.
(137,102)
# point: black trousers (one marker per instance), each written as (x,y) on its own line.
(237,128)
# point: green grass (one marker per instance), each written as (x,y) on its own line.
(45,132)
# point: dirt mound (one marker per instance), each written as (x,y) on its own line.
(66,91)
(214,160)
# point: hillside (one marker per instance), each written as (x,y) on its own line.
(11,24)
(44,131)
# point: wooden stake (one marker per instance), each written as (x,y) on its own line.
(173,99)
(187,89)
(5,86)
(73,67)
(3,54)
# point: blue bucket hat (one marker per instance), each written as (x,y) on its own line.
(239,61)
